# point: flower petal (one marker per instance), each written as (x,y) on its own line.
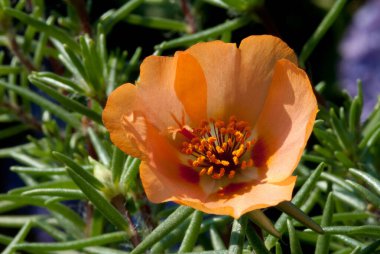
(126,130)
(259,55)
(156,91)
(162,174)
(285,123)
(220,65)
(191,88)
(243,198)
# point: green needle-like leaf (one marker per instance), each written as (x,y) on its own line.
(17,221)
(54,232)
(12,131)
(342,157)
(326,138)
(67,193)
(237,235)
(57,81)
(351,199)
(323,242)
(44,103)
(326,23)
(367,194)
(371,181)
(67,102)
(342,217)
(92,63)
(165,227)
(205,34)
(117,164)
(296,213)
(298,199)
(192,233)
(255,241)
(356,109)
(78,170)
(120,14)
(175,236)
(104,206)
(370,248)
(295,246)
(261,220)
(52,31)
(75,245)
(18,238)
(38,171)
(157,23)
(68,217)
(366,230)
(5,70)
(99,147)
(278,248)
(65,183)
(216,241)
(341,132)
(336,180)
(130,172)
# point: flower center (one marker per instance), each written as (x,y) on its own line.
(217,147)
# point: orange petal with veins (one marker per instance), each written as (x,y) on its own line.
(243,198)
(220,64)
(126,130)
(286,121)
(191,88)
(162,174)
(259,54)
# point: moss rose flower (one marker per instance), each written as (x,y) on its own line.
(218,128)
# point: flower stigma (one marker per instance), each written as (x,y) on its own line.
(217,148)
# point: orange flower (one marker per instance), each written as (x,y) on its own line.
(218,128)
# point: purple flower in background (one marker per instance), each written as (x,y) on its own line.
(360,52)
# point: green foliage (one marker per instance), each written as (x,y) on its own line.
(64,64)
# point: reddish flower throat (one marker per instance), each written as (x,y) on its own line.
(218,147)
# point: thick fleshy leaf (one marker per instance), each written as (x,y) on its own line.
(285,123)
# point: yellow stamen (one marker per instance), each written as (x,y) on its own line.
(239,151)
(195,163)
(236,160)
(238,135)
(211,139)
(225,163)
(219,149)
(210,170)
(203,171)
(221,172)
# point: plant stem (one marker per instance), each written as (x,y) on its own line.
(118,202)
